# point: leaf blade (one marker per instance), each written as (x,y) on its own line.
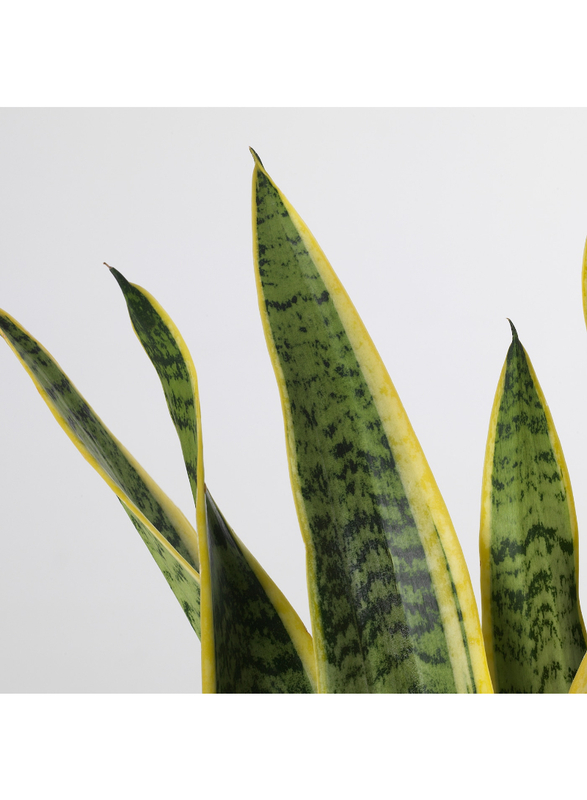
(170,356)
(532,622)
(161,524)
(235,655)
(183,580)
(260,644)
(387,614)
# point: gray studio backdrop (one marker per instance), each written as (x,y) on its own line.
(440,224)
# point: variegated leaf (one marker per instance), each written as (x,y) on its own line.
(259,642)
(168,535)
(252,639)
(532,622)
(390,597)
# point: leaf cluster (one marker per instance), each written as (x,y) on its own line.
(391,602)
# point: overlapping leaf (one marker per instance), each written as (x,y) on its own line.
(391,601)
(579,684)
(259,644)
(252,639)
(169,355)
(169,536)
(532,623)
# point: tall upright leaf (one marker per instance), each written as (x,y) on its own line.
(252,639)
(390,597)
(532,622)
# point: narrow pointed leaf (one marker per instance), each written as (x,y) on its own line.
(260,645)
(390,597)
(532,623)
(252,639)
(169,355)
(169,536)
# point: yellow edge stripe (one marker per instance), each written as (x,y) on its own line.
(485,527)
(206,622)
(160,538)
(206,610)
(180,523)
(579,684)
(431,515)
(294,626)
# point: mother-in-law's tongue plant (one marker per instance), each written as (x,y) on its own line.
(391,602)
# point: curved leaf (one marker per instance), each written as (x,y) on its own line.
(390,597)
(532,623)
(169,354)
(164,529)
(252,639)
(183,580)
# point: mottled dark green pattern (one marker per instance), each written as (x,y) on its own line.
(91,433)
(537,631)
(248,659)
(166,356)
(184,583)
(96,439)
(253,650)
(380,624)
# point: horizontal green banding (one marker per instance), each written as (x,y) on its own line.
(537,632)
(91,434)
(253,650)
(184,583)
(163,349)
(379,623)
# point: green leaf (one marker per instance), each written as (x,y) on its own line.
(579,684)
(169,355)
(183,580)
(252,639)
(259,643)
(532,623)
(390,597)
(169,536)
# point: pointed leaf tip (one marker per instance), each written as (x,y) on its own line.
(532,621)
(514,331)
(367,635)
(120,279)
(256,157)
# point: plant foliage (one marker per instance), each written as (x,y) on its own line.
(391,603)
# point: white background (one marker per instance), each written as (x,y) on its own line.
(440,223)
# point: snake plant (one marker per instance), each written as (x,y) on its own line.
(391,603)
